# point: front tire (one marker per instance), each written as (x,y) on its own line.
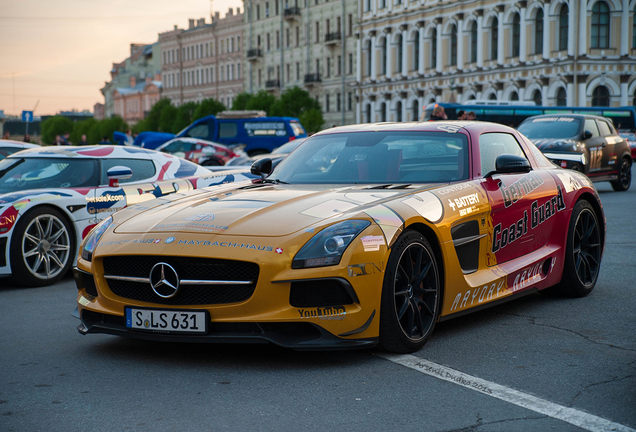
(624,176)
(582,253)
(411,295)
(42,247)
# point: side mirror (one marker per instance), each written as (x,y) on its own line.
(117,173)
(510,164)
(587,134)
(262,167)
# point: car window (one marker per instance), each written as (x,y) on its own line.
(271,128)
(142,169)
(491,145)
(199,131)
(590,124)
(550,127)
(604,128)
(377,157)
(227,129)
(297,128)
(175,146)
(6,151)
(36,173)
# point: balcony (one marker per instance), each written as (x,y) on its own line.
(254,54)
(292,13)
(272,84)
(332,39)
(312,79)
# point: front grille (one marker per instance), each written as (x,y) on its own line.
(320,293)
(187,268)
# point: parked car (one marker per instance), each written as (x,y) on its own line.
(8,147)
(277,155)
(585,143)
(364,235)
(51,197)
(631,140)
(199,151)
(252,135)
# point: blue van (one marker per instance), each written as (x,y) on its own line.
(254,136)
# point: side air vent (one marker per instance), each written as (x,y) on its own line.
(466,240)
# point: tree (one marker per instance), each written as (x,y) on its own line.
(107,126)
(166,121)
(207,107)
(312,120)
(261,101)
(293,103)
(153,119)
(184,116)
(82,128)
(56,125)
(240,101)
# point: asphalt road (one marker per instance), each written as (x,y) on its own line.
(548,353)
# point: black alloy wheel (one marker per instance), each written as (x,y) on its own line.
(583,253)
(411,295)
(624,176)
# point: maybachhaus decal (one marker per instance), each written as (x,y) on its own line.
(226,244)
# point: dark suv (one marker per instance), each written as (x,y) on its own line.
(585,143)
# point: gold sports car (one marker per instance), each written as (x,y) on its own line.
(363,235)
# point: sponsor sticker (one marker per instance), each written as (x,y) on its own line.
(372,243)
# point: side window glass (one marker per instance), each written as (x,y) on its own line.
(590,124)
(142,169)
(227,130)
(173,147)
(491,145)
(604,128)
(199,131)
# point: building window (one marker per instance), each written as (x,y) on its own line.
(516,35)
(600,26)
(634,29)
(277,38)
(350,63)
(297,36)
(562,98)
(453,46)
(326,103)
(473,42)
(415,110)
(385,54)
(337,101)
(258,12)
(563,28)
(434,48)
(400,54)
(493,96)
(600,96)
(328,68)
(368,114)
(416,51)
(288,69)
(369,58)
(350,21)
(367,5)
(317,39)
(398,108)
(383,112)
(536,97)
(287,38)
(349,101)
(268,42)
(297,71)
(494,38)
(538,33)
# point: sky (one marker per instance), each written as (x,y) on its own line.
(56,54)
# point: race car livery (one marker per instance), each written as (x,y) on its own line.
(364,235)
(51,197)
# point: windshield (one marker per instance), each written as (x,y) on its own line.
(36,173)
(551,127)
(288,147)
(377,157)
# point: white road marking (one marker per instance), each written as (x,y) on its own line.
(570,415)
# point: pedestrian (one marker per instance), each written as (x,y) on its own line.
(471,115)
(461,115)
(58,141)
(83,141)
(105,140)
(27,138)
(438,113)
(65,138)
(6,135)
(129,138)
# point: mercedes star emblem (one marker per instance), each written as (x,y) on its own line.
(164,280)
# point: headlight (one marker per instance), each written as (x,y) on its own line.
(93,238)
(326,247)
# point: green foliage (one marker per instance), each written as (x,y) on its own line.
(166,121)
(312,120)
(207,107)
(107,126)
(152,121)
(82,128)
(293,103)
(261,101)
(184,116)
(240,101)
(56,125)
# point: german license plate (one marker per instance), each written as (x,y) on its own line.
(166,321)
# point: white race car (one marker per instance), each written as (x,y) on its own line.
(51,197)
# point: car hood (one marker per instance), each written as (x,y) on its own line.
(550,143)
(269,210)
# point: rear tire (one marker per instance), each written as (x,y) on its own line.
(582,253)
(42,247)
(411,295)
(624,176)
(211,162)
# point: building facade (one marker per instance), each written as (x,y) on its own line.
(304,43)
(203,61)
(559,52)
(132,103)
(142,63)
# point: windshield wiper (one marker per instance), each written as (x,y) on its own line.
(274,181)
(391,186)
